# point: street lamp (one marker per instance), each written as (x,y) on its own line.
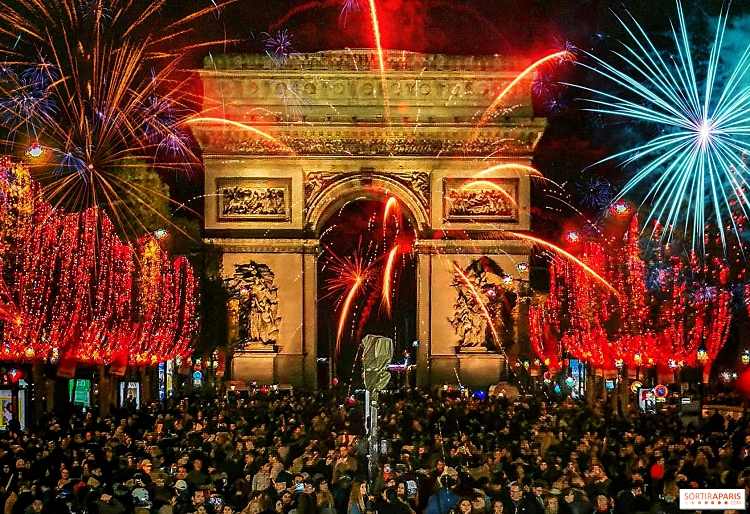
(35,150)
(702,356)
(637,359)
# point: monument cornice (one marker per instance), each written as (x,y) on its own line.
(471,246)
(364,59)
(516,140)
(265,246)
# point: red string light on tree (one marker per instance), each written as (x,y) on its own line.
(661,318)
(80,293)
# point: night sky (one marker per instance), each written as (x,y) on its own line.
(524,28)
(443,26)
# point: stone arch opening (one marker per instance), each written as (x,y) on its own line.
(365,186)
(368,234)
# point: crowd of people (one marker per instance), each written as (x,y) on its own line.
(289,452)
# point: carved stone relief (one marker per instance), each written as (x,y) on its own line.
(480,200)
(483,313)
(417,181)
(253,288)
(254,199)
(362,59)
(325,142)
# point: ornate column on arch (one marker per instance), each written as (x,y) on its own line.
(424,271)
(310,316)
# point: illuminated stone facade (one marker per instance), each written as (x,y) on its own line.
(328,136)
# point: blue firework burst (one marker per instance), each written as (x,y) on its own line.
(26,102)
(159,118)
(279,45)
(594,192)
(41,74)
(692,172)
(543,85)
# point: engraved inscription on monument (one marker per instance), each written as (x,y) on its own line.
(487,200)
(249,199)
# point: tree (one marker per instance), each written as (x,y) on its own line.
(74,290)
(670,312)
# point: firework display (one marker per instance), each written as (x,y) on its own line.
(105,104)
(694,172)
(92,92)
(372,273)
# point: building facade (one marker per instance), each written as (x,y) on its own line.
(287,144)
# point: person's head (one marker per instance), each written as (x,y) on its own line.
(37,505)
(287,498)
(478,504)
(601,503)
(515,491)
(358,494)
(279,486)
(197,464)
(497,507)
(671,492)
(309,488)
(464,506)
(227,510)
(198,498)
(146,466)
(180,486)
(401,490)
(448,481)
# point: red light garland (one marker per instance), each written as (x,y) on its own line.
(79,292)
(689,309)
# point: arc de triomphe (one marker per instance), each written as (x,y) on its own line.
(307,135)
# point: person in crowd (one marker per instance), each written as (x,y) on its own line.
(275,452)
(358,498)
(444,498)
